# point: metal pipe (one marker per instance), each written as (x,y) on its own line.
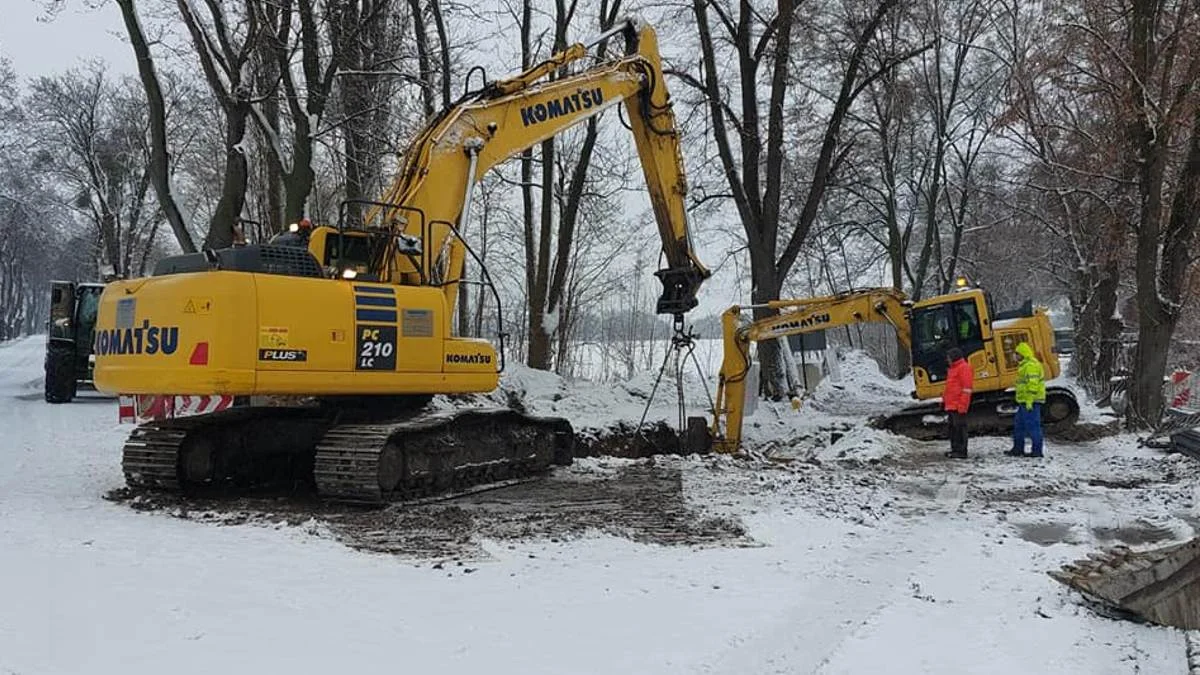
(617,28)
(472,147)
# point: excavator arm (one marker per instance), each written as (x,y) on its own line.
(794,318)
(430,200)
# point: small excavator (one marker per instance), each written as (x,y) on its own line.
(317,361)
(964,319)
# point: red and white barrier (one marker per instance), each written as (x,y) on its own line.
(1181,393)
(150,407)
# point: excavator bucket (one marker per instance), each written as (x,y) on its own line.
(1161,585)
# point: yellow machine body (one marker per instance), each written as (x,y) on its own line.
(990,346)
(284,333)
(240,333)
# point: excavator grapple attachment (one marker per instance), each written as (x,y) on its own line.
(1160,585)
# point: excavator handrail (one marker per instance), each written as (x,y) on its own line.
(487,281)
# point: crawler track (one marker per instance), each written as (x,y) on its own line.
(416,455)
(151,456)
(433,454)
(991,415)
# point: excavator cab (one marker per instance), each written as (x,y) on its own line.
(965,319)
(943,324)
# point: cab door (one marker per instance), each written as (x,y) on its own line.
(62,311)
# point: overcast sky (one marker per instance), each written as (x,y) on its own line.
(38,45)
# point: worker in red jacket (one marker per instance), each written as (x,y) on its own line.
(956,400)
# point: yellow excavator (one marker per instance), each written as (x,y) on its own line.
(316,361)
(964,319)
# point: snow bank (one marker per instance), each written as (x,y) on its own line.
(595,406)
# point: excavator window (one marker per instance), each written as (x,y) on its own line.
(966,322)
(938,328)
(1008,345)
(350,251)
(931,330)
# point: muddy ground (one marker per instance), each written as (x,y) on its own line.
(642,501)
(693,501)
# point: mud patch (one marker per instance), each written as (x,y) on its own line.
(1045,534)
(1084,431)
(642,501)
(627,440)
(1013,494)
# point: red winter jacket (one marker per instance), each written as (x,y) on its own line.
(959,383)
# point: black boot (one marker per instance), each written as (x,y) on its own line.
(1014,453)
(956,455)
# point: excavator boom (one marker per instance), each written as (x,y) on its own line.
(432,193)
(795,317)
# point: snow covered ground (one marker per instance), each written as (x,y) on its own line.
(863,553)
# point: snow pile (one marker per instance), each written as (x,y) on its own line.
(591,405)
(863,389)
(859,444)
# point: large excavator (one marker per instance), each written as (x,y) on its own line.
(964,318)
(317,360)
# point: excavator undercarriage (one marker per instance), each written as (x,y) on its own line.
(991,414)
(345,454)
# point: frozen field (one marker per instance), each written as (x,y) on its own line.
(839,549)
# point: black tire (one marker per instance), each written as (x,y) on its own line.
(60,373)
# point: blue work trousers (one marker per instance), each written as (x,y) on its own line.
(1028,423)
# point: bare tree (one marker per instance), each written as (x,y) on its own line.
(361,31)
(1162,55)
(754,159)
(160,165)
(1066,201)
(93,139)
(548,248)
(224,44)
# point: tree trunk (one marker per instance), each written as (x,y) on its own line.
(160,169)
(233,189)
(539,338)
(421,37)
(1164,254)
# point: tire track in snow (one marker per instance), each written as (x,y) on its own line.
(829,609)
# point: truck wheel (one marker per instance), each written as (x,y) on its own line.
(60,373)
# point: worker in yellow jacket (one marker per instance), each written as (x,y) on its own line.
(1030,395)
